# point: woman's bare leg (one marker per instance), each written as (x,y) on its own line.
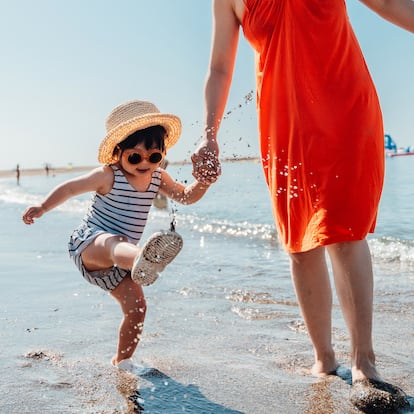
(311,279)
(353,275)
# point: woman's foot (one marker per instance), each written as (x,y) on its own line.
(321,370)
(365,371)
(377,397)
(324,365)
(372,395)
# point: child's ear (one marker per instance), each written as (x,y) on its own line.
(116,153)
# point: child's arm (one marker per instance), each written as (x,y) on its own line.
(178,192)
(99,180)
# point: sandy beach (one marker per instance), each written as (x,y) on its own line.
(248,373)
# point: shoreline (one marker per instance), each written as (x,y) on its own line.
(41,171)
(71,169)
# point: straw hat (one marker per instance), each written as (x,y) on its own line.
(130,117)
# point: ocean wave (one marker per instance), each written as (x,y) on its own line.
(245,229)
(392,250)
(20,197)
(383,249)
(16,196)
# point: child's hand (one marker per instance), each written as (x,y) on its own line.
(31,213)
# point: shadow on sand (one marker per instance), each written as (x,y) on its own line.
(158,393)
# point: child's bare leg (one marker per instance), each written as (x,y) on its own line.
(108,250)
(131,298)
(354,284)
(313,290)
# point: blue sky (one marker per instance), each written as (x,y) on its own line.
(67,63)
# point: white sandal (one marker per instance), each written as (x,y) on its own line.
(159,250)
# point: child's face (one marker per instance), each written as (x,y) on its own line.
(139,160)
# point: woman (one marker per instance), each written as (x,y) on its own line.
(319,117)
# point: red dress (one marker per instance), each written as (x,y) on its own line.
(320,121)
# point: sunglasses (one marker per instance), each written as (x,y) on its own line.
(154,158)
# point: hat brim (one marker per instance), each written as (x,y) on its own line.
(171,123)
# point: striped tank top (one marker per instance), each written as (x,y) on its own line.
(122,211)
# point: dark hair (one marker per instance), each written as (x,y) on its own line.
(152,138)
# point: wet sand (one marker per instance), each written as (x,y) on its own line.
(206,375)
(174,387)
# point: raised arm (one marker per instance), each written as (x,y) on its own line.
(399,12)
(220,72)
(225,36)
(96,180)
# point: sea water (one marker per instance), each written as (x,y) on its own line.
(222,319)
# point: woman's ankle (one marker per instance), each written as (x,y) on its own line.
(363,366)
(325,364)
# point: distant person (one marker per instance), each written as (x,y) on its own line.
(18,174)
(47,169)
(322,147)
(104,246)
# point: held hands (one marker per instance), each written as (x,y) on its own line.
(31,213)
(206,164)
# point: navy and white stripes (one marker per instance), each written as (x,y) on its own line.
(108,279)
(123,211)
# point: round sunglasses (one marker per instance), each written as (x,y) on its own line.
(154,158)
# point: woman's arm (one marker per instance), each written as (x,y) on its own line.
(178,192)
(225,38)
(399,12)
(99,180)
(224,44)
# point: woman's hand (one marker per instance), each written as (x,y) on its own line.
(206,164)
